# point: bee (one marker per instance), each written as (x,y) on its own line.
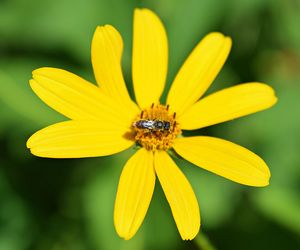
(152,125)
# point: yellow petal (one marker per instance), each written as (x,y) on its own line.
(198,72)
(78,139)
(107,49)
(134,194)
(76,98)
(228,104)
(150,57)
(224,158)
(179,194)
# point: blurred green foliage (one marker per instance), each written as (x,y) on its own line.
(68,204)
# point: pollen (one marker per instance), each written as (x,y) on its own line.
(156,128)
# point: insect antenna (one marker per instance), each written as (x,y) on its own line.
(168,107)
(174,115)
(152,105)
(174,125)
(142,114)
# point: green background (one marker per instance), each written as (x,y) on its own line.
(68,204)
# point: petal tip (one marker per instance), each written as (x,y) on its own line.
(123,233)
(142,10)
(262,181)
(40,71)
(98,28)
(273,99)
(191,235)
(101,28)
(36,72)
(145,11)
(31,82)
(137,11)
(263,184)
(228,40)
(35,152)
(215,35)
(32,141)
(29,142)
(267,179)
(221,38)
(98,31)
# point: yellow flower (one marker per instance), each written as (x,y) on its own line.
(105,121)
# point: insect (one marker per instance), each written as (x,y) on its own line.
(153,125)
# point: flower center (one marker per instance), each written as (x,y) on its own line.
(156,128)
